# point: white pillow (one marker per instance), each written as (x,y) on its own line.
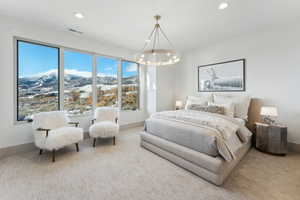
(201,100)
(241,104)
(228,108)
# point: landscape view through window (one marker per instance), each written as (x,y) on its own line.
(130,85)
(107,81)
(78,94)
(38,81)
(38,84)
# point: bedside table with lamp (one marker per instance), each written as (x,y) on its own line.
(178,105)
(270,136)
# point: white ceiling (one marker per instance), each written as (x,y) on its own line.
(188,23)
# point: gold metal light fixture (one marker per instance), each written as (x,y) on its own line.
(152,53)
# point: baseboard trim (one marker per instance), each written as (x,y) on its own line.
(9,151)
(293,147)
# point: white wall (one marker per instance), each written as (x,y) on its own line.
(12,134)
(160,88)
(165,87)
(151,89)
(272,70)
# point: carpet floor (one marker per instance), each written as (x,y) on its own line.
(127,171)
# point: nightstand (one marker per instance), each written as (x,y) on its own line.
(271,138)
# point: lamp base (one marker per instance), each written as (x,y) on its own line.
(268,120)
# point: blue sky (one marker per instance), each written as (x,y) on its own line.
(78,61)
(35,59)
(107,66)
(129,69)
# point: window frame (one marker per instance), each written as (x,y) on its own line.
(139,84)
(118,77)
(63,79)
(61,50)
(17,74)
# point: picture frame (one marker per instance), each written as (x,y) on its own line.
(228,76)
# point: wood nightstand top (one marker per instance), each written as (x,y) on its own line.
(275,125)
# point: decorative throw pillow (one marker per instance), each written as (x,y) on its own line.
(201,100)
(216,109)
(241,103)
(228,108)
(209,108)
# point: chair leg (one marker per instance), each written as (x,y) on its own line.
(41,151)
(77,147)
(114,140)
(94,143)
(53,155)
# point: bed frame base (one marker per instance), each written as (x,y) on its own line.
(175,153)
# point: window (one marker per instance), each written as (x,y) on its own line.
(78,94)
(37,79)
(130,85)
(88,79)
(107,81)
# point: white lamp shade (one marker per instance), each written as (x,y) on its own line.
(269,111)
(178,104)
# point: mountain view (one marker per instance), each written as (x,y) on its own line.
(39,93)
(38,81)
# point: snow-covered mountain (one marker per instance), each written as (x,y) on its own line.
(48,81)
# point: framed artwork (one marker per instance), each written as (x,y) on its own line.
(226,76)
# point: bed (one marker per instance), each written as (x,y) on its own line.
(207,144)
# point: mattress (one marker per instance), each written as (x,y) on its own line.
(196,138)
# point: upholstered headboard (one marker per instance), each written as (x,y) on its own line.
(253,113)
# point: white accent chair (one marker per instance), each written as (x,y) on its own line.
(105,124)
(53,130)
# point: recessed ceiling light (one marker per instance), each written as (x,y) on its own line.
(223,5)
(78,15)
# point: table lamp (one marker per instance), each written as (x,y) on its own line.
(268,112)
(178,105)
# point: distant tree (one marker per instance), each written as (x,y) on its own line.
(75,95)
(90,100)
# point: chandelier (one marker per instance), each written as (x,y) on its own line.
(152,54)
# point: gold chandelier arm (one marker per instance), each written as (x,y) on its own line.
(155,38)
(149,38)
(163,33)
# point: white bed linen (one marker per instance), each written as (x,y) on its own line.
(240,121)
(227,130)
